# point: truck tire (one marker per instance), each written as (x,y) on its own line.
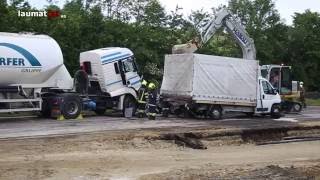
(129,102)
(165,113)
(275,111)
(296,107)
(71,107)
(45,110)
(216,113)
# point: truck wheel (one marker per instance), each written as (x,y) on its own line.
(216,113)
(165,113)
(45,110)
(296,107)
(275,112)
(129,102)
(71,107)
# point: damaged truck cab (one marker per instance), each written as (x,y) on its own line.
(113,78)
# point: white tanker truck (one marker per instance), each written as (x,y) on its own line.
(34,78)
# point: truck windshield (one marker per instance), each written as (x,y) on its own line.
(129,65)
(267,88)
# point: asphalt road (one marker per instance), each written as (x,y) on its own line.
(34,126)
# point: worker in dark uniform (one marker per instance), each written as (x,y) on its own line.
(152,101)
(143,97)
(302,95)
(275,80)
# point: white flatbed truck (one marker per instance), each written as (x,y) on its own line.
(210,86)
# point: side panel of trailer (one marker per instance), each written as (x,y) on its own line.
(211,79)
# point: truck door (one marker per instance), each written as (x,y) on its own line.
(267,97)
(122,73)
(131,73)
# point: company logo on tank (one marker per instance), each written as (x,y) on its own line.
(18,63)
(11,61)
(13,56)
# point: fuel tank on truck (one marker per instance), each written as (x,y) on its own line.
(32,61)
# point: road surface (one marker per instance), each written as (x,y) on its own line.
(26,127)
(118,148)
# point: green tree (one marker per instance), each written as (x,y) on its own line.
(155,14)
(137,8)
(150,32)
(176,19)
(304,48)
(4,15)
(115,9)
(262,21)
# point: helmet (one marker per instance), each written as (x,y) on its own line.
(144,83)
(152,86)
(301,83)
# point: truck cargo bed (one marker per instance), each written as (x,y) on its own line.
(210,79)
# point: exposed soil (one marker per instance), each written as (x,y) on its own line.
(149,154)
(274,172)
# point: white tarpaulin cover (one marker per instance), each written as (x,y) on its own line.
(210,78)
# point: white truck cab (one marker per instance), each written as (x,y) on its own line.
(114,73)
(268,99)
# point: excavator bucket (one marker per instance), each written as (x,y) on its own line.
(184,48)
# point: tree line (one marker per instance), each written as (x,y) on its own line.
(145,27)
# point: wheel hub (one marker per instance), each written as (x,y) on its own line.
(72,108)
(297,107)
(216,113)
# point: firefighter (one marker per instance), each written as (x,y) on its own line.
(152,101)
(142,101)
(302,95)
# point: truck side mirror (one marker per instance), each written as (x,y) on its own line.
(275,91)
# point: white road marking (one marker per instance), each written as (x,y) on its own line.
(286,119)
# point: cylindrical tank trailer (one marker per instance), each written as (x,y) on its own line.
(32,61)
(34,78)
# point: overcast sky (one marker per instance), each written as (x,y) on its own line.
(285,7)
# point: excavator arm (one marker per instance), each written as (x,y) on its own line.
(223,18)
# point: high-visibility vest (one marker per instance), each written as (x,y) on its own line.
(143,95)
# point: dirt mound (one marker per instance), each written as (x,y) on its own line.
(271,172)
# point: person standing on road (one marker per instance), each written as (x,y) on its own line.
(152,101)
(143,97)
(302,95)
